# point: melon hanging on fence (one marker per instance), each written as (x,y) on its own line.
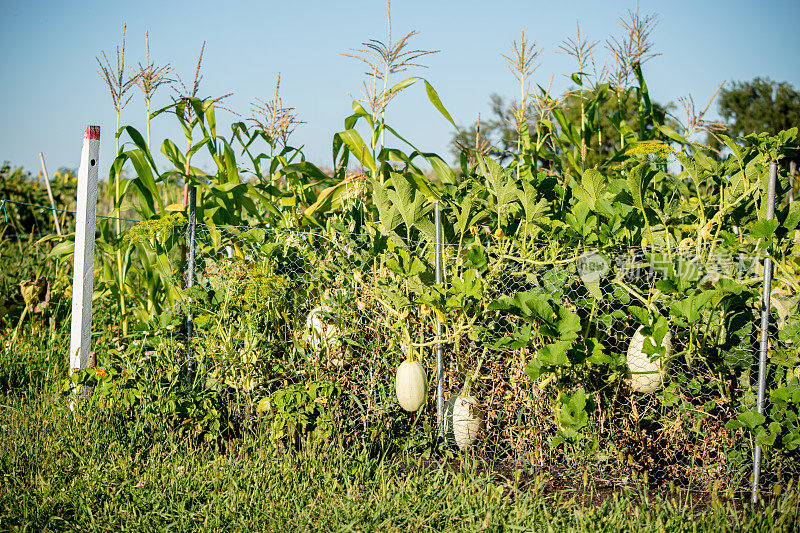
(646,374)
(463,420)
(325,337)
(411,385)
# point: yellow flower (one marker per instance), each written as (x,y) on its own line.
(649,147)
(149,229)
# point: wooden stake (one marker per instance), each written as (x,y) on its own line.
(83,271)
(50,194)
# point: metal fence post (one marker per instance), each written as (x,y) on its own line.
(765,311)
(191,231)
(439,355)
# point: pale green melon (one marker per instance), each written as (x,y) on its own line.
(411,385)
(324,336)
(647,375)
(463,420)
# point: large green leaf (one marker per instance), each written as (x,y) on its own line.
(232,170)
(140,143)
(529,305)
(501,184)
(690,307)
(145,184)
(532,204)
(329,197)
(403,84)
(404,198)
(637,183)
(358,147)
(591,187)
(169,149)
(442,169)
(554,354)
(388,215)
(433,96)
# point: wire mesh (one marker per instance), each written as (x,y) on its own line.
(573,361)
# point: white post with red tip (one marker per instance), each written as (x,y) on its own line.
(83,268)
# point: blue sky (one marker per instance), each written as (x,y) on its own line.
(51,89)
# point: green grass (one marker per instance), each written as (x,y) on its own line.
(61,471)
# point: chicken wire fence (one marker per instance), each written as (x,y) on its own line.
(588,362)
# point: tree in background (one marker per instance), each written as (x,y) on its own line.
(760,105)
(756,106)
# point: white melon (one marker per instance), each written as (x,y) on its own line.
(646,374)
(324,336)
(463,420)
(411,385)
